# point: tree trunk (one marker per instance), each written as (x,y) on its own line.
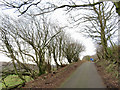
(104,45)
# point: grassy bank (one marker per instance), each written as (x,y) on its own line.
(110,67)
(109,73)
(13,80)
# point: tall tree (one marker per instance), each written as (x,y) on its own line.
(100,23)
(104,24)
(26,41)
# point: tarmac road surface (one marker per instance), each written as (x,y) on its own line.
(86,76)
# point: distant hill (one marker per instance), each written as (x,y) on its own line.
(9,66)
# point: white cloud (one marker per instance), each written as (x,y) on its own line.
(4,58)
(87,42)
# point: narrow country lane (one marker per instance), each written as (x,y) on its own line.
(86,76)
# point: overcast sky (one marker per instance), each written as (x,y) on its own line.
(60,16)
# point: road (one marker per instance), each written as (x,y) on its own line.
(86,76)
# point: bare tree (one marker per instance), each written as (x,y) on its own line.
(72,50)
(26,41)
(100,23)
(45,7)
(103,25)
(53,46)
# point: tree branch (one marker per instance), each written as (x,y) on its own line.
(74,6)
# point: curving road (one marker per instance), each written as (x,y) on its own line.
(86,76)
